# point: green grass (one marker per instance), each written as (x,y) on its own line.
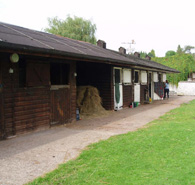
(161,153)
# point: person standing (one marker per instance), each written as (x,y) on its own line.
(166,89)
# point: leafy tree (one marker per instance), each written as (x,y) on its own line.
(170,53)
(193,54)
(143,54)
(75,28)
(151,53)
(179,50)
(187,49)
(184,63)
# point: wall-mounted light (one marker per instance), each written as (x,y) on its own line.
(75,74)
(14,58)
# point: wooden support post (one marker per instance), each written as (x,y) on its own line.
(2,120)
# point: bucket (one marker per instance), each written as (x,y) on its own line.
(134,104)
(137,103)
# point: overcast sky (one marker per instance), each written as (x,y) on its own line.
(153,24)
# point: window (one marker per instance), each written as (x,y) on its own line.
(59,74)
(144,76)
(127,76)
(136,77)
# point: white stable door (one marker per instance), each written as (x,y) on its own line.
(118,89)
(136,86)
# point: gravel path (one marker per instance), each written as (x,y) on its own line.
(28,156)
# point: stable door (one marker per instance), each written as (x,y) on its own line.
(118,89)
(136,86)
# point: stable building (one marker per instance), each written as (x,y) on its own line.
(40,73)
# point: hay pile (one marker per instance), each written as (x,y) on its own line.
(89,102)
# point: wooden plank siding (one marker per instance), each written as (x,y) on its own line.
(25,107)
(127,95)
(26,110)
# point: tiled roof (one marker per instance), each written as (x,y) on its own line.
(19,37)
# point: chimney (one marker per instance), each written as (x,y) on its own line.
(137,54)
(122,50)
(148,57)
(101,44)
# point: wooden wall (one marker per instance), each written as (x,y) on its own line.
(26,110)
(127,95)
(100,76)
(23,109)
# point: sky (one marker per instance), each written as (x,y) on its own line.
(161,25)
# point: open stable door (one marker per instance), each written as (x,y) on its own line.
(136,86)
(118,89)
(151,86)
(60,93)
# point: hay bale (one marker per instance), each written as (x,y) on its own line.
(89,102)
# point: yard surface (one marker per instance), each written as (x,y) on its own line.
(26,157)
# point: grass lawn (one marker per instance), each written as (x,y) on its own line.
(161,153)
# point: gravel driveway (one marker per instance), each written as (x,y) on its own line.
(26,157)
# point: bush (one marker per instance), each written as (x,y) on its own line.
(170,53)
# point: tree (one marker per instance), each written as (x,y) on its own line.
(184,63)
(151,53)
(143,54)
(170,53)
(179,50)
(187,49)
(75,28)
